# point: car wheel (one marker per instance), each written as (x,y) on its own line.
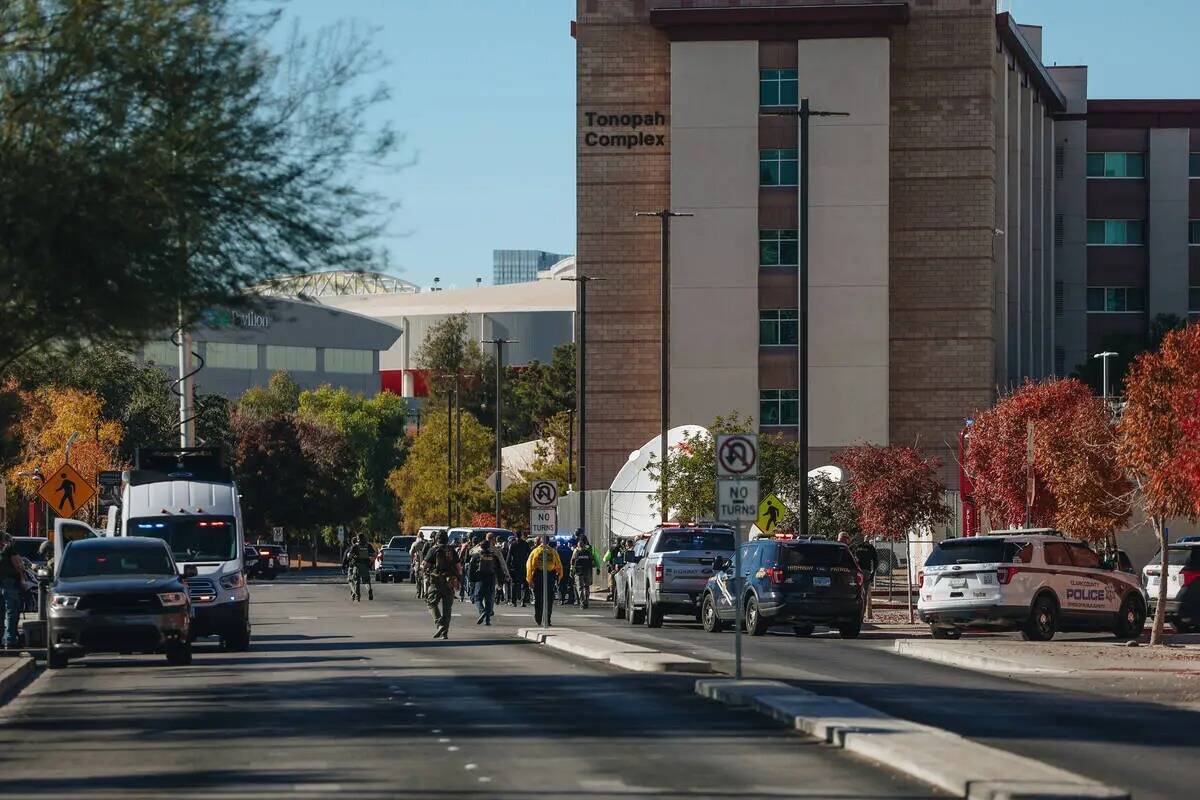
(802,631)
(618,609)
(850,630)
(708,615)
(1131,619)
(179,655)
(631,613)
(654,614)
(756,623)
(945,633)
(1043,620)
(55,659)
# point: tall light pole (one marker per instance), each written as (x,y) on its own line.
(664,392)
(499,343)
(804,112)
(581,284)
(1104,357)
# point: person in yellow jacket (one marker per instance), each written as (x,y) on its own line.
(543,571)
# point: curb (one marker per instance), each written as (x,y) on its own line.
(633,657)
(939,654)
(942,759)
(15,675)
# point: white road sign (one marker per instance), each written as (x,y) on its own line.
(505,481)
(277,535)
(543,521)
(737,455)
(737,501)
(543,494)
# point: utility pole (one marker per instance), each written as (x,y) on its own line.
(804,112)
(499,342)
(581,285)
(664,268)
(449,461)
(457,453)
(1104,357)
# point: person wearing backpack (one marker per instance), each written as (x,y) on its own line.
(585,563)
(518,555)
(442,579)
(483,570)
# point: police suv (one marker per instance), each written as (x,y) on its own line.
(1035,581)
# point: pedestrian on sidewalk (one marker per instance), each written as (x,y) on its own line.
(518,557)
(12,586)
(543,571)
(614,559)
(868,561)
(484,570)
(585,564)
(442,571)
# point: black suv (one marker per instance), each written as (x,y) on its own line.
(269,561)
(797,582)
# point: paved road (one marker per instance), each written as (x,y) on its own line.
(1104,734)
(356,700)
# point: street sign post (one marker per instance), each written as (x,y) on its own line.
(66,491)
(543,521)
(341,533)
(543,494)
(770,511)
(737,501)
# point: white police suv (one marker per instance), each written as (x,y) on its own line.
(1035,581)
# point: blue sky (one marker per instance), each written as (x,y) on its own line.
(484,92)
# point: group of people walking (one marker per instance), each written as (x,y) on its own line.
(512,570)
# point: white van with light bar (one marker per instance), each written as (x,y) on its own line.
(187,497)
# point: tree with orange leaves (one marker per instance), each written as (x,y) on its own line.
(894,488)
(1155,447)
(1079,488)
(50,415)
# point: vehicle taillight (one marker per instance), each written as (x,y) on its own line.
(920,579)
(858,579)
(775,574)
(1004,575)
(658,573)
(264,552)
(1188,575)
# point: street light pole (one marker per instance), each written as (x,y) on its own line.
(1104,357)
(499,343)
(664,269)
(804,112)
(581,284)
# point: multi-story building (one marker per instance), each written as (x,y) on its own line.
(931,215)
(521,266)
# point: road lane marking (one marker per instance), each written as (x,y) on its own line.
(302,618)
(452,748)
(443,740)
(470,766)
(484,779)
(371,616)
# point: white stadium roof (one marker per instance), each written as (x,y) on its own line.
(547,295)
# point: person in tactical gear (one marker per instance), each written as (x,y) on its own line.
(484,570)
(518,555)
(585,563)
(441,569)
(357,562)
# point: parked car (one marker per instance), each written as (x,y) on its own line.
(1183,585)
(394,560)
(1034,581)
(30,547)
(797,582)
(120,594)
(669,571)
(271,560)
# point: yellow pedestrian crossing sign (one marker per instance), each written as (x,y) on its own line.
(66,491)
(770,513)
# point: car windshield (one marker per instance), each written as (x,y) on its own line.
(1178,557)
(694,540)
(191,538)
(816,556)
(402,541)
(86,562)
(28,548)
(973,551)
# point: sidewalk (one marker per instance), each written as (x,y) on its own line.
(15,671)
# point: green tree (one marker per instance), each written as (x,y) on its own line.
(281,395)
(536,393)
(157,158)
(271,472)
(831,508)
(374,427)
(449,350)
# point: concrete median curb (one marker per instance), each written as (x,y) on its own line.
(633,657)
(14,676)
(937,757)
(949,654)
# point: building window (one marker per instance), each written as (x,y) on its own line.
(1060,361)
(292,359)
(231,356)
(778,248)
(777,87)
(353,362)
(1059,156)
(779,407)
(1194,299)
(1116,165)
(1194,231)
(1116,232)
(1194,165)
(1059,292)
(778,167)
(778,326)
(1060,230)
(1115,299)
(165,354)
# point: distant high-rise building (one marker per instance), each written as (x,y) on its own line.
(521,266)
